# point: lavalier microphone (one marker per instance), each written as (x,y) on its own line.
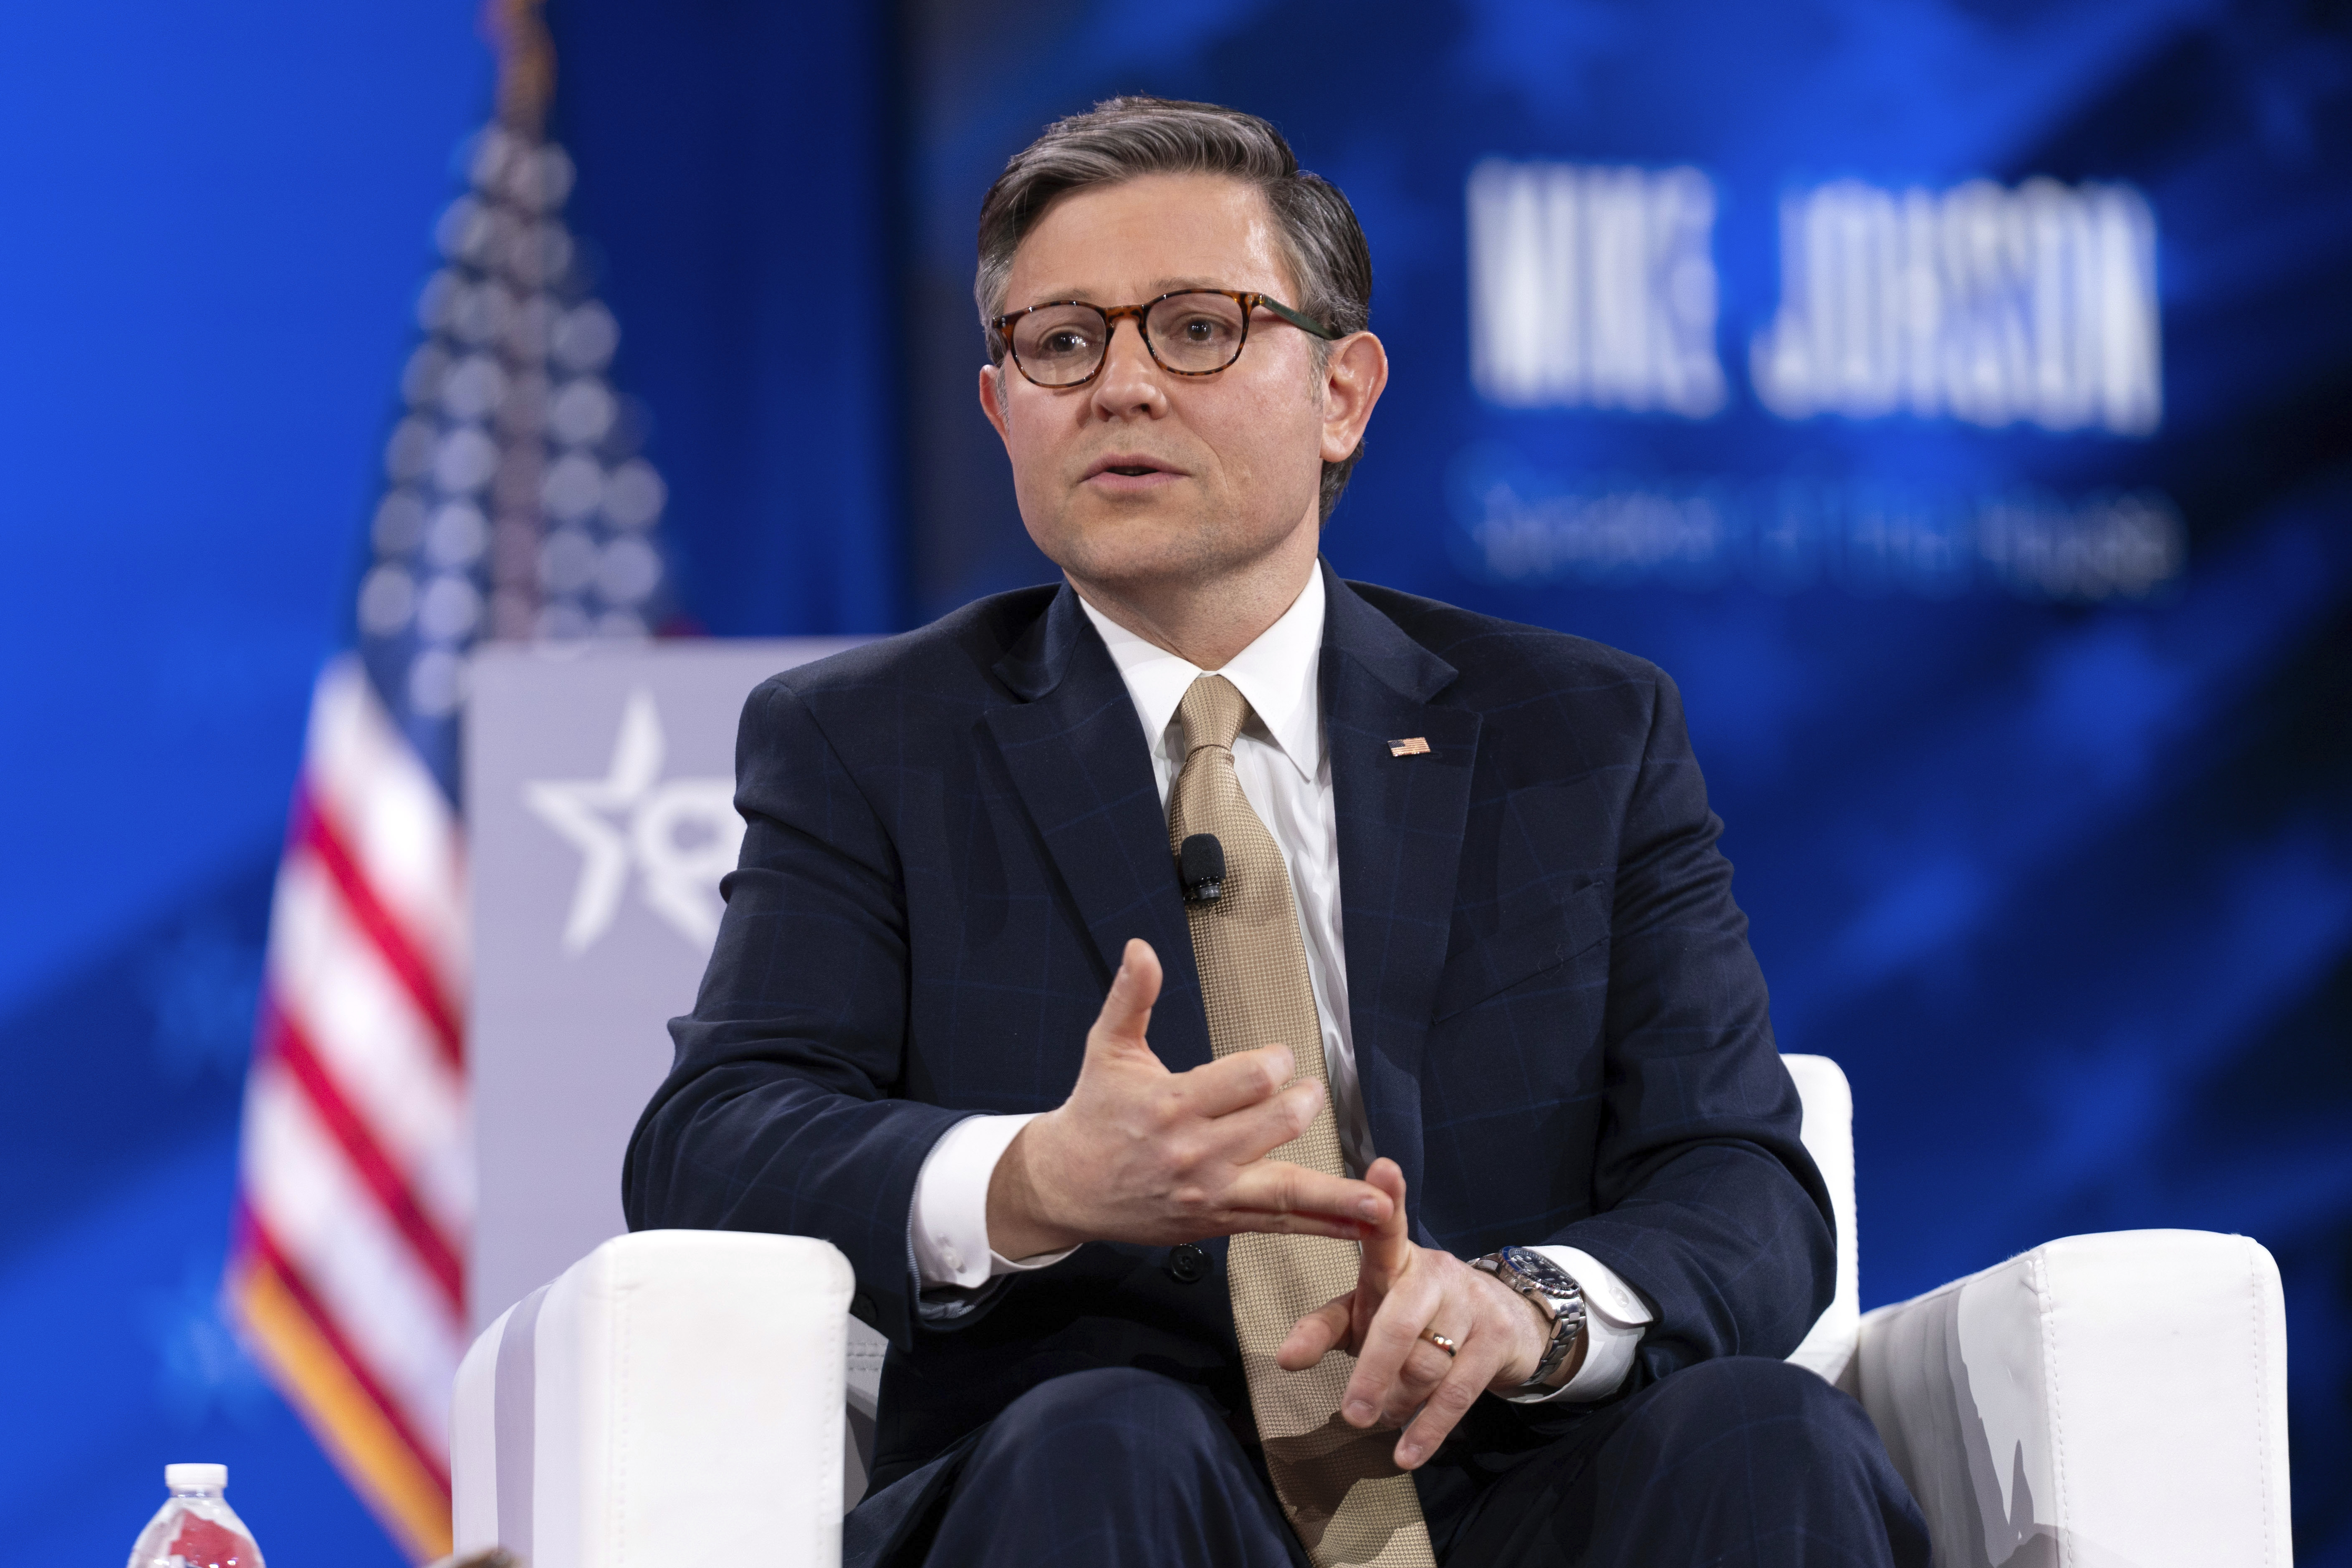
(1201,865)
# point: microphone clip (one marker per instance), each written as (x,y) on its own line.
(1201,866)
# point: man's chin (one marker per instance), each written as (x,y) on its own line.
(1136,545)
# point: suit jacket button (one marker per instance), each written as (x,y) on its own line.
(1187,1263)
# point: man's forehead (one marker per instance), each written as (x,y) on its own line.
(1150,235)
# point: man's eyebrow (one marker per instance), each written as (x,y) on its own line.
(1152,291)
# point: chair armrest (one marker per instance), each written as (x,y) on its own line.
(2103,1400)
(676,1397)
(1828,1133)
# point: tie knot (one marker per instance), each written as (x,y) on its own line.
(1213,710)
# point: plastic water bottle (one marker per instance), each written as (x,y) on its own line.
(196,1527)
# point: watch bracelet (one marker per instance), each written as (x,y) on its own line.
(1567,1329)
(1568,1315)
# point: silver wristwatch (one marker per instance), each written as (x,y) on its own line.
(1554,1294)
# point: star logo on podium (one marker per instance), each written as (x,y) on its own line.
(678,836)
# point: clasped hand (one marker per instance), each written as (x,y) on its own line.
(1140,1155)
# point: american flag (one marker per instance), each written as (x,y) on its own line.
(514,506)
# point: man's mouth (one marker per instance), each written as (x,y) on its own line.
(1129,467)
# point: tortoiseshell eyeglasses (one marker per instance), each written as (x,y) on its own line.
(1191,332)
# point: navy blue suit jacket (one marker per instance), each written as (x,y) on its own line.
(1559,1031)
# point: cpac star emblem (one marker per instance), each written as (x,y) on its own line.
(681,835)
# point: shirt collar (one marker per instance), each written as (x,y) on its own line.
(1276,673)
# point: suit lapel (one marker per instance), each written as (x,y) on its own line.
(1401,821)
(1082,766)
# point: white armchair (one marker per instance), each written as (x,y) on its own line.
(2118,1401)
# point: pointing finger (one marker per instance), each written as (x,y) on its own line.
(1388,1250)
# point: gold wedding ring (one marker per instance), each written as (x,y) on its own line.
(1439,1340)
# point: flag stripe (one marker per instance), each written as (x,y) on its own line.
(330,980)
(304,1192)
(405,959)
(403,834)
(305,1294)
(376,1169)
(401,1477)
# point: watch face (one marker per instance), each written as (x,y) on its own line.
(1541,1271)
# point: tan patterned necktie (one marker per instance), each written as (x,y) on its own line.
(1339,1486)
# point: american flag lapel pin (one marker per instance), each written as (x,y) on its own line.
(1410,746)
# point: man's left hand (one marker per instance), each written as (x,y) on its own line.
(1402,1379)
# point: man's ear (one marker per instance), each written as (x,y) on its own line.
(1353,378)
(991,401)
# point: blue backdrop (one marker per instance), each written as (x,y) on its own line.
(2013,604)
(217,221)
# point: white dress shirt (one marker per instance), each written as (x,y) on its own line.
(1285,769)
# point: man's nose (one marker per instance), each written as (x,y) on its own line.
(1130,376)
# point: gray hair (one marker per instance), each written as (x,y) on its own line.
(1122,138)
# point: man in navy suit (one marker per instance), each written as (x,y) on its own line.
(955,1024)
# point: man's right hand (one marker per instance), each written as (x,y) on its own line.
(1138,1154)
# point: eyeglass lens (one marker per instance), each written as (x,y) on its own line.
(1060,345)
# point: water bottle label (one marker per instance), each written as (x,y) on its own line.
(201,1543)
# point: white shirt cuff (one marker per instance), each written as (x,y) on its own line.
(950,1219)
(1614,1318)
